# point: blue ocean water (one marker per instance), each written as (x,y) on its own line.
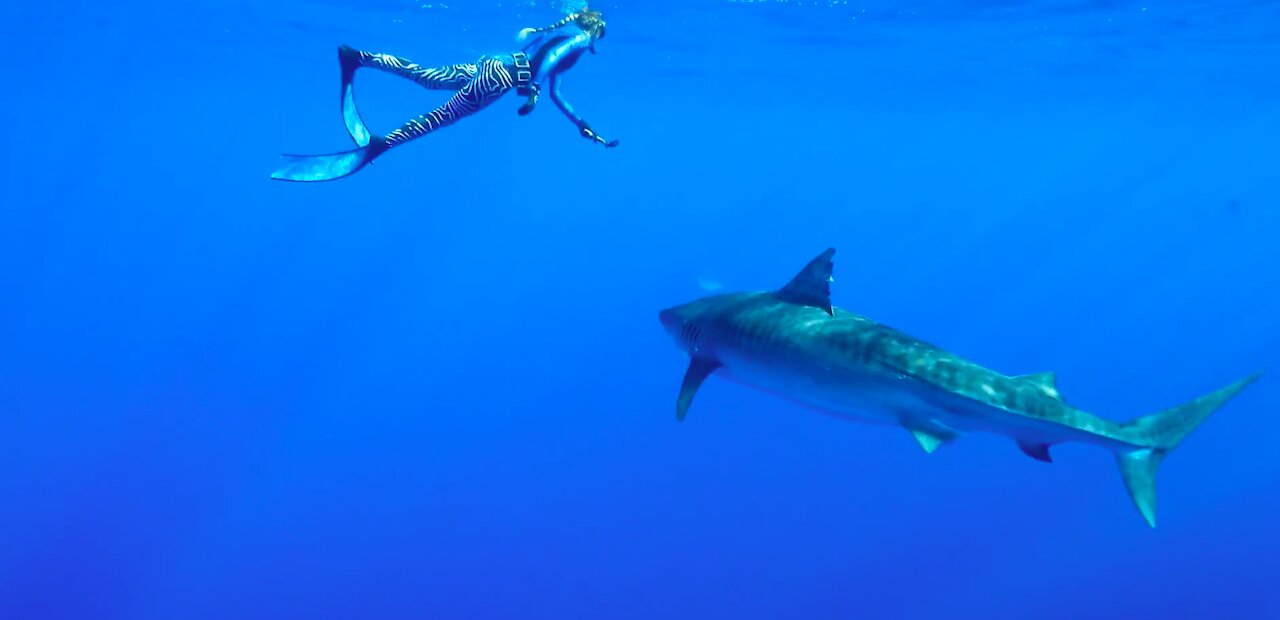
(439,389)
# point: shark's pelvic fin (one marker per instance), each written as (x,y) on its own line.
(812,286)
(1160,433)
(1046,380)
(1037,451)
(930,440)
(699,369)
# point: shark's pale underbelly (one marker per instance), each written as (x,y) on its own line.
(862,398)
(867,395)
(861,395)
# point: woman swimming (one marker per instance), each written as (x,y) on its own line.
(476,85)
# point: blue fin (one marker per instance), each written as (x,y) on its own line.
(327,167)
(350,114)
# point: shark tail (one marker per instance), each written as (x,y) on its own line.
(1155,436)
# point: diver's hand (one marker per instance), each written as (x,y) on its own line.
(591,135)
(531,101)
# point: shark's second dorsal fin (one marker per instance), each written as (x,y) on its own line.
(812,286)
(1046,380)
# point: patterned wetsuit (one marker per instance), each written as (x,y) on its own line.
(477,84)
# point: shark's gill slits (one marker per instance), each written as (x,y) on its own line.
(690,334)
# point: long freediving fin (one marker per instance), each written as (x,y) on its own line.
(327,167)
(348,61)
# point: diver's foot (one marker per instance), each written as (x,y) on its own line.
(348,59)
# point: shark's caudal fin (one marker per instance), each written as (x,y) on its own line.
(327,167)
(1159,434)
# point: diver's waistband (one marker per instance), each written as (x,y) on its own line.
(523,72)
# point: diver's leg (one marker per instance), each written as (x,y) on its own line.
(450,77)
(492,81)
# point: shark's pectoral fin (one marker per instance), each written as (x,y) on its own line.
(1037,451)
(812,286)
(930,440)
(699,369)
(1046,380)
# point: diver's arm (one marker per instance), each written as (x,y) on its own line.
(583,128)
(564,105)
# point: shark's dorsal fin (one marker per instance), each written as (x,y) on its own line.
(1037,451)
(1046,380)
(699,369)
(929,441)
(812,286)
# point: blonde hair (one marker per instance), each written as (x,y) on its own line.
(589,20)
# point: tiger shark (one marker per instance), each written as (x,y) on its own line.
(791,342)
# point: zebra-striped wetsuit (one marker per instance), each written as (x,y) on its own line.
(477,84)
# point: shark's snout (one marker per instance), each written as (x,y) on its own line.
(672,323)
(668,318)
(689,324)
(676,323)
